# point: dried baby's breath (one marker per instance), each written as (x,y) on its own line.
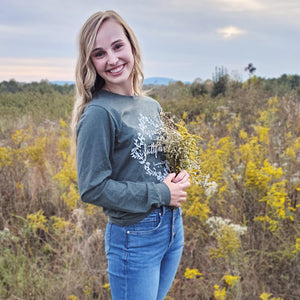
(180,146)
(182,152)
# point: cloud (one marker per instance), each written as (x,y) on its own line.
(28,69)
(223,5)
(230,32)
(15,30)
(241,5)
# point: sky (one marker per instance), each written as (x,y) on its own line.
(180,39)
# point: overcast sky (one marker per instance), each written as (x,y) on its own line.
(180,39)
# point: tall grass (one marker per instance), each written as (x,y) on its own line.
(242,231)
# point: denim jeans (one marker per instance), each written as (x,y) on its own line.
(143,258)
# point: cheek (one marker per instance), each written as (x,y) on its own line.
(99,66)
(129,55)
(130,58)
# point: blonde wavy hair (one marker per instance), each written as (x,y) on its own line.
(88,81)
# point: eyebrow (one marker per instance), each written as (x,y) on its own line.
(113,43)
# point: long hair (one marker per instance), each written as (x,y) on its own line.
(88,81)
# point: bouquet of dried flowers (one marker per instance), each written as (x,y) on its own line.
(182,152)
(179,145)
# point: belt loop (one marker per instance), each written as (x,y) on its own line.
(163,210)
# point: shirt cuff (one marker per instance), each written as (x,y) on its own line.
(163,193)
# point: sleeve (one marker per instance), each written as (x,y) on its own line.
(95,143)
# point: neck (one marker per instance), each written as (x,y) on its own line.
(121,90)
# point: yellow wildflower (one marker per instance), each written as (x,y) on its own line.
(59,224)
(71,197)
(37,220)
(192,273)
(219,294)
(87,289)
(231,280)
(297,246)
(266,296)
(243,134)
(63,124)
(5,156)
(106,286)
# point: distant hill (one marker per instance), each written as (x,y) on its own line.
(158,80)
(150,81)
(62,82)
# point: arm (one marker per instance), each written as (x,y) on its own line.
(96,134)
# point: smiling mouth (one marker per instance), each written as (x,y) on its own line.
(116,70)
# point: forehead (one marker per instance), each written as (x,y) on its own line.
(109,31)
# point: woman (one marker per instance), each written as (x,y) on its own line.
(120,168)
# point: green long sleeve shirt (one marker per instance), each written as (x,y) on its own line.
(119,166)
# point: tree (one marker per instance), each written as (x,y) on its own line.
(198,88)
(10,86)
(220,79)
(251,69)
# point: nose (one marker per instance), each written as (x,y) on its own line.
(112,59)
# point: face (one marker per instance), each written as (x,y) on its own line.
(112,57)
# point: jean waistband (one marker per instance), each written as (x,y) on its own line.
(163,209)
(171,207)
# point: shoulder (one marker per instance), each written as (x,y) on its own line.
(97,114)
(148,98)
(104,103)
(150,102)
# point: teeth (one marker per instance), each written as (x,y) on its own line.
(116,70)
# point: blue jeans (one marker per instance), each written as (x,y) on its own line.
(143,258)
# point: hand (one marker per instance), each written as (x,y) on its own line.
(177,186)
(182,177)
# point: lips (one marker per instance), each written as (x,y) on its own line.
(116,70)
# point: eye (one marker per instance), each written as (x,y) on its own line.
(118,46)
(99,54)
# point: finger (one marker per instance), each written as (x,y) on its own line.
(184,197)
(181,198)
(181,177)
(170,177)
(185,184)
(185,179)
(182,174)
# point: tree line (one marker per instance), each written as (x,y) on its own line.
(221,84)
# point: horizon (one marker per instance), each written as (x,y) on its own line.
(153,78)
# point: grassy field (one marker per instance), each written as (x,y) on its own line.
(242,229)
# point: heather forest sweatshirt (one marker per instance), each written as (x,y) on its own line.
(119,166)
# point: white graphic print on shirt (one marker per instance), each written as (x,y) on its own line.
(148,129)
